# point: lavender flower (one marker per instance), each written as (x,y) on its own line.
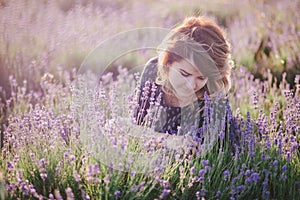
(201,172)
(10,166)
(240,188)
(207,168)
(226,174)
(164,193)
(84,195)
(201,179)
(51,197)
(253,178)
(284,168)
(117,193)
(43,176)
(275,163)
(58,195)
(70,195)
(165,184)
(203,192)
(204,162)
(107,179)
(192,170)
(198,195)
(76,176)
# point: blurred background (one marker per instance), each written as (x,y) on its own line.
(54,36)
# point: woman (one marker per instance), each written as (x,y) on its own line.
(194,60)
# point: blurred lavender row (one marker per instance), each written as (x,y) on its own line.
(48,36)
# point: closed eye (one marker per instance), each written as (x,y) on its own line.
(184,73)
(202,78)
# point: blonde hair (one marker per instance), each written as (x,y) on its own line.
(212,39)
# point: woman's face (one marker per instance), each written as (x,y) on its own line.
(186,79)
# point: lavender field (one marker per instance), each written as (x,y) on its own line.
(43,156)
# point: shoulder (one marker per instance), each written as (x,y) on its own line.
(152,61)
(151,65)
(150,71)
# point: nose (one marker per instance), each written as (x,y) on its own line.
(193,83)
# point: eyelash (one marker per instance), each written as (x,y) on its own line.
(186,75)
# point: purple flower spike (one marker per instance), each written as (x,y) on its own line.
(284,168)
(204,162)
(201,173)
(164,193)
(117,193)
(226,174)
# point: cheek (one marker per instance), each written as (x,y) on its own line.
(176,78)
(182,80)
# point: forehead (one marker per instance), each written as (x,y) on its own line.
(187,66)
